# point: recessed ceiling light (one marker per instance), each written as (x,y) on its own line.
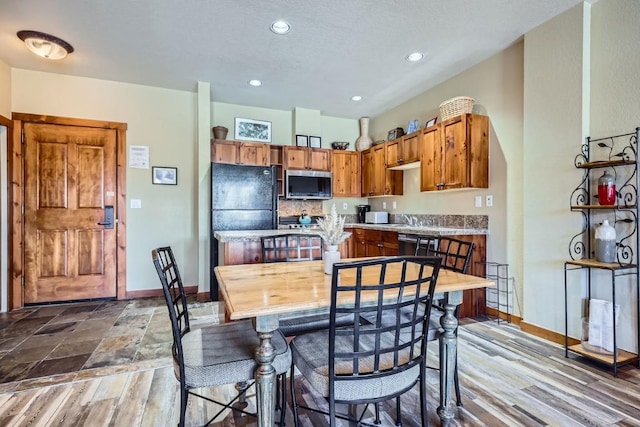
(356,98)
(45,45)
(414,57)
(280,27)
(255,83)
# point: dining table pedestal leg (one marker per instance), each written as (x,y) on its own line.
(448,357)
(265,374)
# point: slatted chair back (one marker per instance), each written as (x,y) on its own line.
(291,247)
(383,350)
(174,296)
(455,253)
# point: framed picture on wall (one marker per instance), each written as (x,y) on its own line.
(302,140)
(253,130)
(162,175)
(315,141)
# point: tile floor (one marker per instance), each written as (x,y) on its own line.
(51,340)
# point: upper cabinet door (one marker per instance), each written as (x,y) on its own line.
(345,166)
(253,153)
(295,157)
(319,159)
(430,161)
(223,151)
(410,148)
(454,154)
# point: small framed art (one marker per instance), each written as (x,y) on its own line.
(315,141)
(162,175)
(253,130)
(431,122)
(302,140)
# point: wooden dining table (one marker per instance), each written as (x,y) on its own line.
(268,292)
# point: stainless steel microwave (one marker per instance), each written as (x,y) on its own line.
(308,184)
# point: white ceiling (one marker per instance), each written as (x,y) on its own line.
(336,48)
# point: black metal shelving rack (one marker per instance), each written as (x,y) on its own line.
(621,157)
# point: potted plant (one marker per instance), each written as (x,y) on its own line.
(332,232)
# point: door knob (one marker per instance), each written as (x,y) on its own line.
(108,221)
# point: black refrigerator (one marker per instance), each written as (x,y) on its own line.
(242,198)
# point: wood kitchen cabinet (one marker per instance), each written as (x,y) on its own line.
(239,152)
(345,166)
(455,154)
(403,152)
(275,159)
(377,180)
(374,243)
(305,158)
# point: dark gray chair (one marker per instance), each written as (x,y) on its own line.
(456,256)
(212,355)
(291,247)
(370,363)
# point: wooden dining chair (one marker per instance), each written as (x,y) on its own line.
(456,256)
(213,355)
(370,363)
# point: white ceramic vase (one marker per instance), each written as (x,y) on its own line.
(364,141)
(331,256)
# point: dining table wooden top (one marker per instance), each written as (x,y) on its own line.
(252,290)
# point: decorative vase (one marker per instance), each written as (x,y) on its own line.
(605,242)
(364,141)
(220,132)
(606,189)
(331,256)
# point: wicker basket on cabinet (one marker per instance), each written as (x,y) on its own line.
(456,106)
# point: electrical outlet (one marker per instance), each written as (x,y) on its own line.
(384,205)
(345,206)
(394,205)
(489,201)
(478,201)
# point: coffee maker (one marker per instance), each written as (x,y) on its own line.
(362,211)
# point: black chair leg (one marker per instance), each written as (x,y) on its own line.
(423,398)
(184,396)
(283,403)
(294,404)
(398,412)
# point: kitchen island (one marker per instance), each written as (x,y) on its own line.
(244,247)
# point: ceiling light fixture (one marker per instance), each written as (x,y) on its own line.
(356,98)
(280,27)
(255,83)
(414,57)
(45,45)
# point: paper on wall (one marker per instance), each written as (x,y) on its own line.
(139,156)
(601,323)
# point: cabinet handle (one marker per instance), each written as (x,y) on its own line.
(379,245)
(400,160)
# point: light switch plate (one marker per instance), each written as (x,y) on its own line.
(394,205)
(478,201)
(136,203)
(384,205)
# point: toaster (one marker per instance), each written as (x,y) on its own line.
(376,218)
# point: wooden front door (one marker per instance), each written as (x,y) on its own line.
(70,181)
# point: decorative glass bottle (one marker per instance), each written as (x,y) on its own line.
(606,189)
(364,141)
(605,242)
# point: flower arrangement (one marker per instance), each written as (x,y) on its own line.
(332,228)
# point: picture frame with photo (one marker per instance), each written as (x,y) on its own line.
(302,141)
(252,130)
(431,122)
(315,142)
(413,126)
(164,175)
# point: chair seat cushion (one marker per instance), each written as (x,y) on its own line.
(224,354)
(310,354)
(301,325)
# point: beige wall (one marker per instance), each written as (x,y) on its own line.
(553,132)
(5,90)
(615,109)
(165,121)
(496,85)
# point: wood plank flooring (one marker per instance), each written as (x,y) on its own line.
(508,378)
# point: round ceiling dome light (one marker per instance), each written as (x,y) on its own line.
(414,57)
(255,83)
(280,27)
(356,98)
(45,45)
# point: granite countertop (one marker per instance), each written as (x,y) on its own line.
(254,235)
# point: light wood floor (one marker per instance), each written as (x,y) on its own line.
(508,378)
